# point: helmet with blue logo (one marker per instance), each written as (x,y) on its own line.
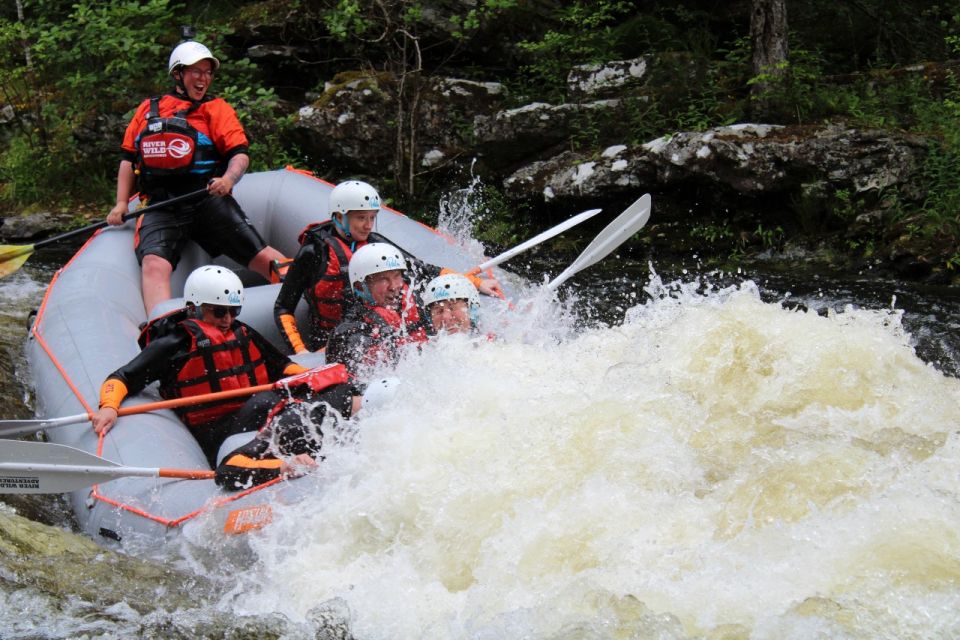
(213,284)
(352,195)
(372,258)
(451,286)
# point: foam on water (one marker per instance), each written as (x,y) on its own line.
(714,465)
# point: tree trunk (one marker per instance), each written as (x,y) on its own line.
(768,35)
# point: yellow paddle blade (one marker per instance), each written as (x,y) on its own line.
(12,257)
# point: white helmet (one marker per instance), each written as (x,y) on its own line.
(188,53)
(372,258)
(213,284)
(451,286)
(352,195)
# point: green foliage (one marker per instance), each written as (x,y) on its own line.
(712,233)
(346,19)
(84,59)
(939,215)
(474,18)
(587,32)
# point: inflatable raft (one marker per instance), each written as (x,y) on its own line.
(88,324)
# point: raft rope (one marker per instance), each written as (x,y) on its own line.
(37,333)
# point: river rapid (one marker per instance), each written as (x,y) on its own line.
(666,453)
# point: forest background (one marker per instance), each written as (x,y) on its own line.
(73,71)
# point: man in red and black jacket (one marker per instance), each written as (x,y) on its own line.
(202,349)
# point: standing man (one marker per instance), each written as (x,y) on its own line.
(180,142)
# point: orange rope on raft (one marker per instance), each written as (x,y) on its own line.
(36,332)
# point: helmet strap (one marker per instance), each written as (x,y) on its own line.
(344,230)
(178,78)
(364,294)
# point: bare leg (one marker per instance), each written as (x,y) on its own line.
(261,261)
(155,279)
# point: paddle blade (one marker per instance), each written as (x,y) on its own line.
(12,257)
(40,467)
(613,235)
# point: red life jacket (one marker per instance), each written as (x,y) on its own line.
(394,329)
(215,362)
(170,149)
(332,291)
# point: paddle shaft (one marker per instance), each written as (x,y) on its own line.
(14,428)
(39,467)
(532,242)
(127,216)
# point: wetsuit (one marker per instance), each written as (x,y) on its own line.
(176,349)
(319,272)
(370,335)
(295,428)
(217,224)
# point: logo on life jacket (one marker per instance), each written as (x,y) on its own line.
(166,150)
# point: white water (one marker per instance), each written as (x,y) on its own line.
(715,467)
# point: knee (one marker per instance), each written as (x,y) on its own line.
(156,268)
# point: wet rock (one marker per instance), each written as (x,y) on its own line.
(747,159)
(509,136)
(63,564)
(33,226)
(355,123)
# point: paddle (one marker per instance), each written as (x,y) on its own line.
(535,240)
(14,428)
(40,467)
(612,236)
(13,256)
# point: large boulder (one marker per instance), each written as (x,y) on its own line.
(739,160)
(357,121)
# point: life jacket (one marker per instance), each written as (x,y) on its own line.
(394,329)
(215,362)
(161,326)
(171,151)
(332,291)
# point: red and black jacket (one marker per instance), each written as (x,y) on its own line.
(293,427)
(371,335)
(319,273)
(190,357)
(176,145)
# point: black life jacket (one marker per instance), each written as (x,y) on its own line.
(171,152)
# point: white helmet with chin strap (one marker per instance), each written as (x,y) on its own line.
(372,258)
(213,284)
(188,53)
(453,286)
(351,195)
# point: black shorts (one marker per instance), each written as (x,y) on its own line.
(217,224)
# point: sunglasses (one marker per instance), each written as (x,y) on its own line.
(219,312)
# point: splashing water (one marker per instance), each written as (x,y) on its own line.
(713,465)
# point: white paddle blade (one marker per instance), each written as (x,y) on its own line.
(613,235)
(40,467)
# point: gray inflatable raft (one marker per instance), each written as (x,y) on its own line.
(88,325)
